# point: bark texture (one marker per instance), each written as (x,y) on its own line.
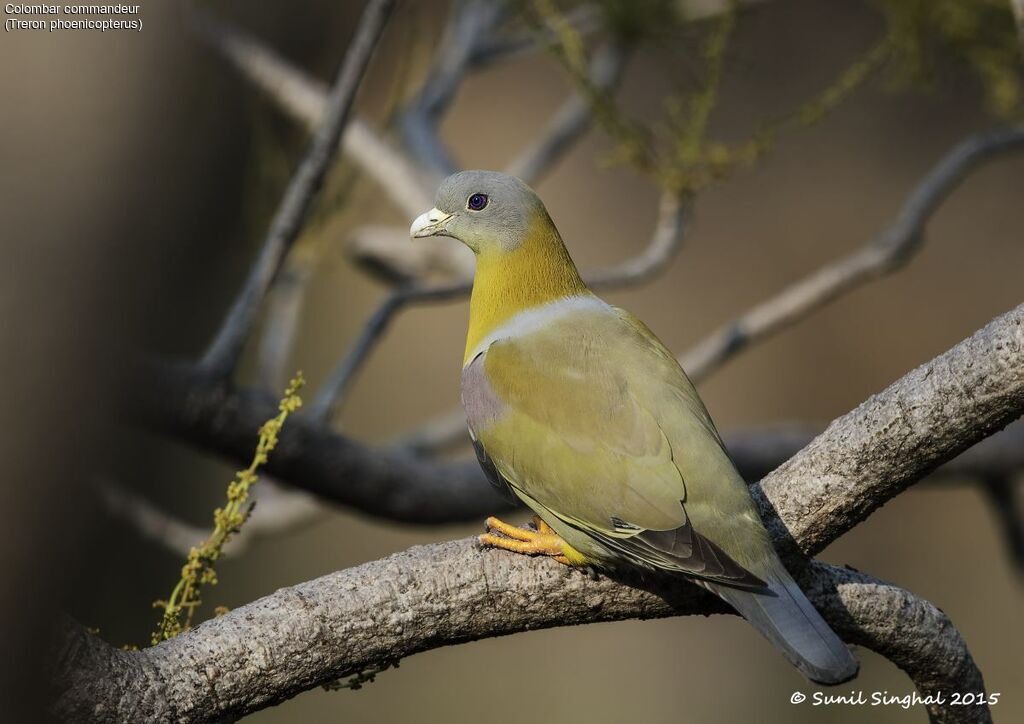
(449,593)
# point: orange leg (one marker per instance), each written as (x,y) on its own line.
(542,541)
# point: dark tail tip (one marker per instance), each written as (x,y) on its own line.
(787,619)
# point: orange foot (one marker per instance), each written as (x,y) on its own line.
(542,541)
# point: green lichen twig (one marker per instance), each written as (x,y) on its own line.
(198,569)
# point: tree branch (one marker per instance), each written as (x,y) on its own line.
(469,24)
(883,255)
(1018,14)
(294,639)
(438,595)
(193,407)
(449,593)
(305,99)
(897,436)
(278,509)
(225,349)
(571,120)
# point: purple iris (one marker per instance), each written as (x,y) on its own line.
(477,202)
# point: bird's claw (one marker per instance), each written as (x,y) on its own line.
(540,541)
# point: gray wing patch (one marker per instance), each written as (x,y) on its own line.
(478,397)
(682,549)
(482,406)
(495,478)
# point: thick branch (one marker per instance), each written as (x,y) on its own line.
(223,353)
(449,593)
(883,255)
(894,438)
(299,637)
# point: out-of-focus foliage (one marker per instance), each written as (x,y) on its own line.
(929,36)
(675,150)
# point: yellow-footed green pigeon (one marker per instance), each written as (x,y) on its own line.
(576,407)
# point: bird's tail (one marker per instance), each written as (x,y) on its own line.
(787,619)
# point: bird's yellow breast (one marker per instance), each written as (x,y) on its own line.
(537,271)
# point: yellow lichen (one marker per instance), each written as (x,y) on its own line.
(198,570)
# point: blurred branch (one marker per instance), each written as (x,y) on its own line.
(882,255)
(386,253)
(659,252)
(304,98)
(571,120)
(223,353)
(585,20)
(441,433)
(278,510)
(284,312)
(404,182)
(1018,13)
(469,24)
(331,396)
(149,521)
(437,595)
(664,244)
(1004,497)
(191,406)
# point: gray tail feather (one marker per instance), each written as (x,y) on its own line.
(794,626)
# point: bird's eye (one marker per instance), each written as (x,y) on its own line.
(477,202)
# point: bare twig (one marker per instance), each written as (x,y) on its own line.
(439,434)
(660,250)
(470,22)
(385,253)
(664,244)
(1007,505)
(304,98)
(279,510)
(584,20)
(1018,13)
(571,120)
(704,9)
(883,255)
(284,311)
(225,349)
(150,521)
(333,392)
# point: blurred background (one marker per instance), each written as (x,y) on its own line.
(138,172)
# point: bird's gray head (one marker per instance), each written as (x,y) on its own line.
(485,210)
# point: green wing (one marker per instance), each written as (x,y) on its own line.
(599,428)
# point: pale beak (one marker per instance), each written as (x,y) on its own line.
(429,224)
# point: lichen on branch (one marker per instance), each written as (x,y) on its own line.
(198,571)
